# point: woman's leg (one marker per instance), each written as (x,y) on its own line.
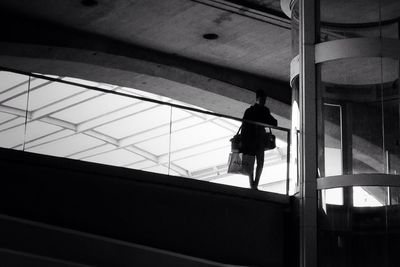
(251,175)
(260,165)
(251,180)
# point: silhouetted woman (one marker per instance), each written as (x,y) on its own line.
(254,136)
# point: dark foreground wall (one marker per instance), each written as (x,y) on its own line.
(200,219)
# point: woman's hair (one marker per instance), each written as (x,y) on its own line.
(260,94)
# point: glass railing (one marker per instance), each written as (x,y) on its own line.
(120,126)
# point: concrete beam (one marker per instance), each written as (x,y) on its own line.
(33,31)
(39,46)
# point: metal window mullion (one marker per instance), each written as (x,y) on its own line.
(308,192)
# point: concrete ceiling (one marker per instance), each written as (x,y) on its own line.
(162,40)
(177,26)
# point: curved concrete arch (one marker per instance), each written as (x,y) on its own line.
(164,80)
(170,81)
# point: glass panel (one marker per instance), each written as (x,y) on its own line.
(333,196)
(365,220)
(295,116)
(369,196)
(333,139)
(116,157)
(141,119)
(201,145)
(71,121)
(13,117)
(331,161)
(368,88)
(390,91)
(294,145)
(367,138)
(11,81)
(273,177)
(89,101)
(66,146)
(44,93)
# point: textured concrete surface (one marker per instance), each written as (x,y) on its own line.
(40,41)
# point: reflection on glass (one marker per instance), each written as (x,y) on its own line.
(333,154)
(333,196)
(333,139)
(294,145)
(372,113)
(362,228)
(368,87)
(369,196)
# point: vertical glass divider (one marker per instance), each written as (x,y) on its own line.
(385,170)
(26,112)
(170,137)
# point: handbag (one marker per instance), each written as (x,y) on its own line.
(270,142)
(236,141)
(240,163)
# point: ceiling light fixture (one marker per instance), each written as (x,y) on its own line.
(89,3)
(210,36)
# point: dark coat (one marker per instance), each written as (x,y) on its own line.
(253,136)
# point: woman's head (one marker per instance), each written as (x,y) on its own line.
(261,98)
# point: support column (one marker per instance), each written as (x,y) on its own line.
(309,155)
